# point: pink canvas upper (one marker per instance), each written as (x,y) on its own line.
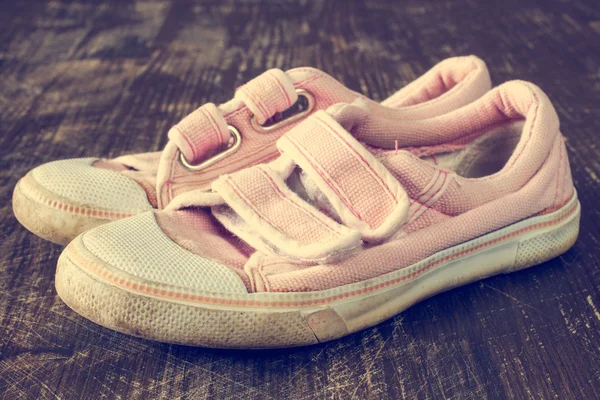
(205,132)
(356,194)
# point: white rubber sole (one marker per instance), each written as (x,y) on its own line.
(272,320)
(51,217)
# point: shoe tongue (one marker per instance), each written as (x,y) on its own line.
(300,183)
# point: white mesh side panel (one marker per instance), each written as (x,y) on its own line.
(79,181)
(139,247)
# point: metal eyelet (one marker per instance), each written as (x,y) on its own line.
(310,105)
(237,137)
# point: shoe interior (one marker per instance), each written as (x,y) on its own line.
(485,155)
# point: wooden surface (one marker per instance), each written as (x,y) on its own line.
(109,77)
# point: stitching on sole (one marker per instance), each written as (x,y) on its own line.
(145,289)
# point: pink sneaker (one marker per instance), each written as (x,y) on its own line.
(61,199)
(339,233)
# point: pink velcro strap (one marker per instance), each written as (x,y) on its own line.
(268,94)
(363,192)
(201,133)
(272,218)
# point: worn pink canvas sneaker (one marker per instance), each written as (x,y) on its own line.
(61,199)
(341,232)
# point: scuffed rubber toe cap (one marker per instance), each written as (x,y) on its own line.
(135,251)
(59,200)
(130,277)
(79,182)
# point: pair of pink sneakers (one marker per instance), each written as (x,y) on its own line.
(300,211)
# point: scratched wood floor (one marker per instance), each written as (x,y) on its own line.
(81,79)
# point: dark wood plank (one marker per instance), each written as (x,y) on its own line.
(109,77)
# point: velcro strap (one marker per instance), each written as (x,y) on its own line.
(275,219)
(363,192)
(201,133)
(268,94)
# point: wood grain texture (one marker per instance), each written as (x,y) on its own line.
(111,76)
